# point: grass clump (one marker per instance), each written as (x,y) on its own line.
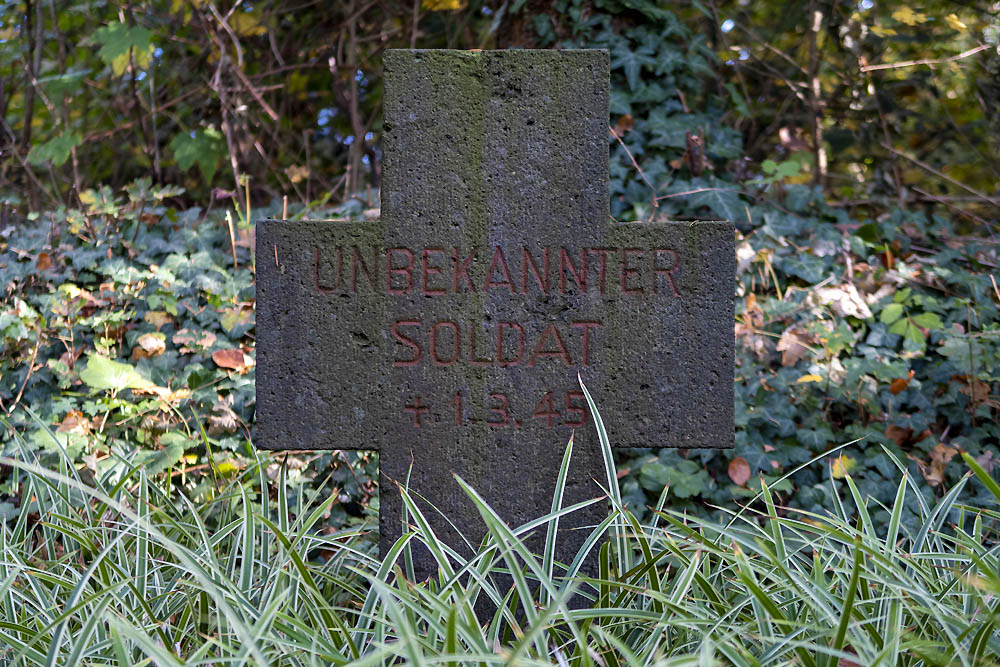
(122,570)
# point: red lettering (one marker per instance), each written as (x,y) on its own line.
(528,264)
(501,411)
(462,270)
(340,267)
(546,410)
(576,409)
(429,270)
(498,261)
(357,262)
(391,270)
(520,343)
(628,271)
(409,342)
(456,346)
(586,326)
(669,273)
(602,267)
(560,352)
(579,273)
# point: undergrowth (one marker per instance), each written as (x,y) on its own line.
(122,569)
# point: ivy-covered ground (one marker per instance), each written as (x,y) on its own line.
(131,340)
(867,323)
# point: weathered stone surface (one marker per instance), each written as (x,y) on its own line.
(449,334)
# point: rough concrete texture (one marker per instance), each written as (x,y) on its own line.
(443,313)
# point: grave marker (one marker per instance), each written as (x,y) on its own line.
(449,334)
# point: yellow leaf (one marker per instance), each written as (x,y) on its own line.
(812,377)
(246,24)
(443,5)
(158,318)
(908,16)
(955,22)
(882,31)
(842,465)
(297,174)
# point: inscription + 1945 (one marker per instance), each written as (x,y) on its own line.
(435,271)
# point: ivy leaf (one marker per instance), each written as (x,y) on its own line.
(118,39)
(172,448)
(890,314)
(808,267)
(631,61)
(203,147)
(928,321)
(110,375)
(670,130)
(723,202)
(56,150)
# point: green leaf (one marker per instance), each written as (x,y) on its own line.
(117,40)
(913,333)
(807,267)
(723,202)
(928,321)
(868,233)
(631,61)
(891,313)
(899,327)
(56,150)
(107,374)
(203,147)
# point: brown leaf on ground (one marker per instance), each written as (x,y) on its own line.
(898,434)
(844,301)
(900,384)
(739,471)
(149,345)
(74,422)
(934,471)
(793,346)
(44,262)
(979,392)
(192,341)
(233,359)
(987,461)
(624,124)
(157,318)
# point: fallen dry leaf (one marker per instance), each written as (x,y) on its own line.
(625,124)
(842,466)
(74,422)
(157,318)
(739,471)
(900,384)
(192,341)
(793,346)
(898,434)
(44,262)
(844,301)
(934,471)
(149,345)
(234,359)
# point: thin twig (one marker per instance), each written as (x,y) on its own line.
(31,369)
(939,174)
(912,63)
(629,153)
(694,192)
(958,210)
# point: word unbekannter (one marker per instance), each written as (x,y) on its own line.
(440,271)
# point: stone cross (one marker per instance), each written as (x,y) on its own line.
(448,335)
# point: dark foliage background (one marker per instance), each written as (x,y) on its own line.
(854,144)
